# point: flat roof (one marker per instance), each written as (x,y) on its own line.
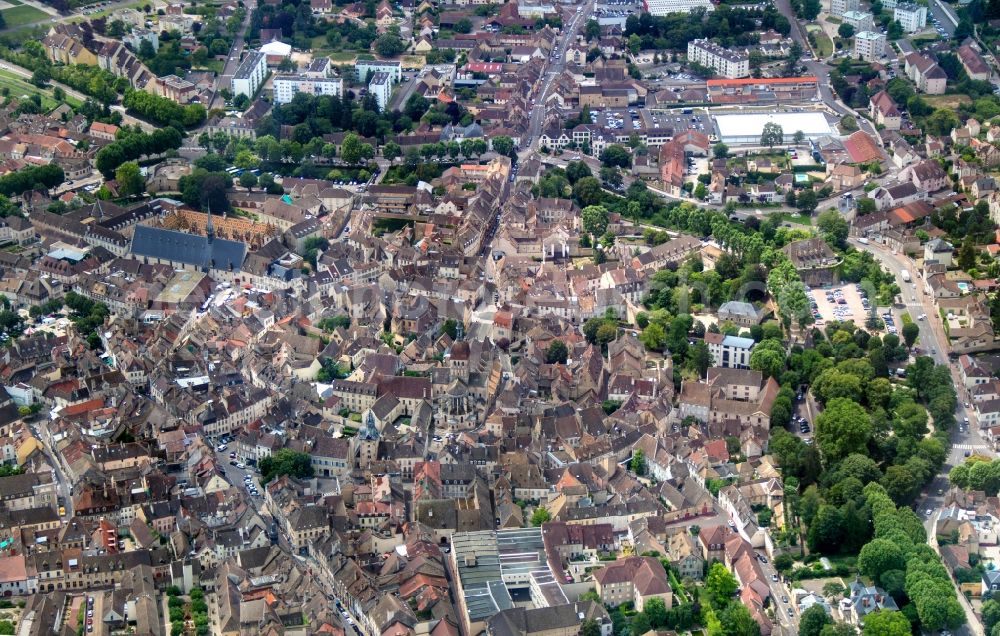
(752,124)
(761,82)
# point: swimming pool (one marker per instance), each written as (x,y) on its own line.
(962,286)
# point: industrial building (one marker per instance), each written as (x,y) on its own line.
(490,568)
(746,129)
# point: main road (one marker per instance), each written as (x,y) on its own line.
(965,439)
(233,61)
(556,64)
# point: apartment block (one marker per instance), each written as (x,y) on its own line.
(381,88)
(287,86)
(912,17)
(860,20)
(840,7)
(250,74)
(727,63)
(869,45)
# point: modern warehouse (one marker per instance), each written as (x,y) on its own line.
(746,129)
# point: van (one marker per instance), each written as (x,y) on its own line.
(863,241)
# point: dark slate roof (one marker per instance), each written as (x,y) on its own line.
(189,249)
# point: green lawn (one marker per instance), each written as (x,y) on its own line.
(19,16)
(800,219)
(824,46)
(18,86)
(14,3)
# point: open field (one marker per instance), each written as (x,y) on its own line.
(21,15)
(951,102)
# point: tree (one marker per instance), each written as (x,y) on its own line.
(768,361)
(503,145)
(540,516)
(910,332)
(839,629)
(248,180)
(557,353)
(737,621)
(772,135)
(991,614)
(590,627)
(842,428)
(389,45)
(880,555)
(353,150)
(638,463)
(886,623)
(463,26)
(391,151)
(592,30)
(720,151)
(130,179)
(967,254)
(595,219)
(834,228)
(827,530)
(286,462)
(865,206)
(845,31)
(806,201)
(813,620)
(640,624)
(616,156)
(587,191)
(720,585)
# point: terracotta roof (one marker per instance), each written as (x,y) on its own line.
(862,148)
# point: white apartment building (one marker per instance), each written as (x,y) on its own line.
(381,88)
(869,45)
(366,68)
(724,62)
(250,75)
(663,7)
(731,352)
(860,20)
(287,86)
(840,7)
(912,17)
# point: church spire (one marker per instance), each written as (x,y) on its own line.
(209,227)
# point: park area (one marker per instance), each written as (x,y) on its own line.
(820,41)
(20,15)
(19,88)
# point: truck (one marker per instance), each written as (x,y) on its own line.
(906,276)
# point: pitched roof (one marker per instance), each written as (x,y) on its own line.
(190,249)
(862,148)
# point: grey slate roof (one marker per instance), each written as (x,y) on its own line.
(190,249)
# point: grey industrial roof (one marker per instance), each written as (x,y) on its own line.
(189,249)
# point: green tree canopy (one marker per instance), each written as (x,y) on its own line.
(286,462)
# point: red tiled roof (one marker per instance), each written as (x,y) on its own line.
(862,148)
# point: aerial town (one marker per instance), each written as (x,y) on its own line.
(523,318)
